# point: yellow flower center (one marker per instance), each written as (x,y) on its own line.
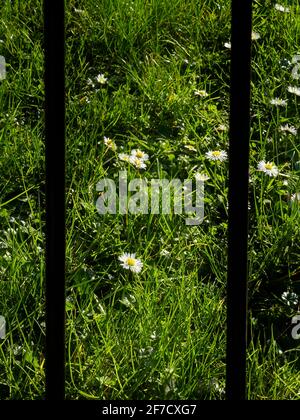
(268,166)
(216,153)
(131,261)
(139,154)
(138,162)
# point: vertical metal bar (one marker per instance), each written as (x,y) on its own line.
(238,199)
(55,197)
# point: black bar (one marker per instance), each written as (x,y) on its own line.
(54,34)
(238,199)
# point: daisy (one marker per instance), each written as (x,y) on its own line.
(220,155)
(110,144)
(190,147)
(255,36)
(124,156)
(128,302)
(268,167)
(101,79)
(201,177)
(139,154)
(290,298)
(278,102)
(131,263)
(295,197)
(288,128)
(164,253)
(294,89)
(295,72)
(201,93)
(80,11)
(222,127)
(281,8)
(153,336)
(90,82)
(137,162)
(296,59)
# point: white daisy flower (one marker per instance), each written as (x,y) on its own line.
(220,155)
(90,82)
(153,336)
(164,253)
(288,128)
(255,36)
(80,11)
(100,78)
(130,262)
(145,352)
(295,197)
(128,302)
(294,89)
(290,298)
(227,45)
(201,177)
(295,72)
(278,102)
(190,147)
(139,154)
(124,157)
(296,68)
(137,162)
(222,127)
(268,167)
(201,93)
(110,144)
(281,8)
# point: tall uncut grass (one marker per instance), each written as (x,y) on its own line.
(150,75)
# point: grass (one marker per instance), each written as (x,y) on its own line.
(158,334)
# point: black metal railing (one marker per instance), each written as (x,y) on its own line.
(55,197)
(238,199)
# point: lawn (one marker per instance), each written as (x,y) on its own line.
(147,92)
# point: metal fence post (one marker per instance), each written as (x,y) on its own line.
(238,199)
(55,197)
